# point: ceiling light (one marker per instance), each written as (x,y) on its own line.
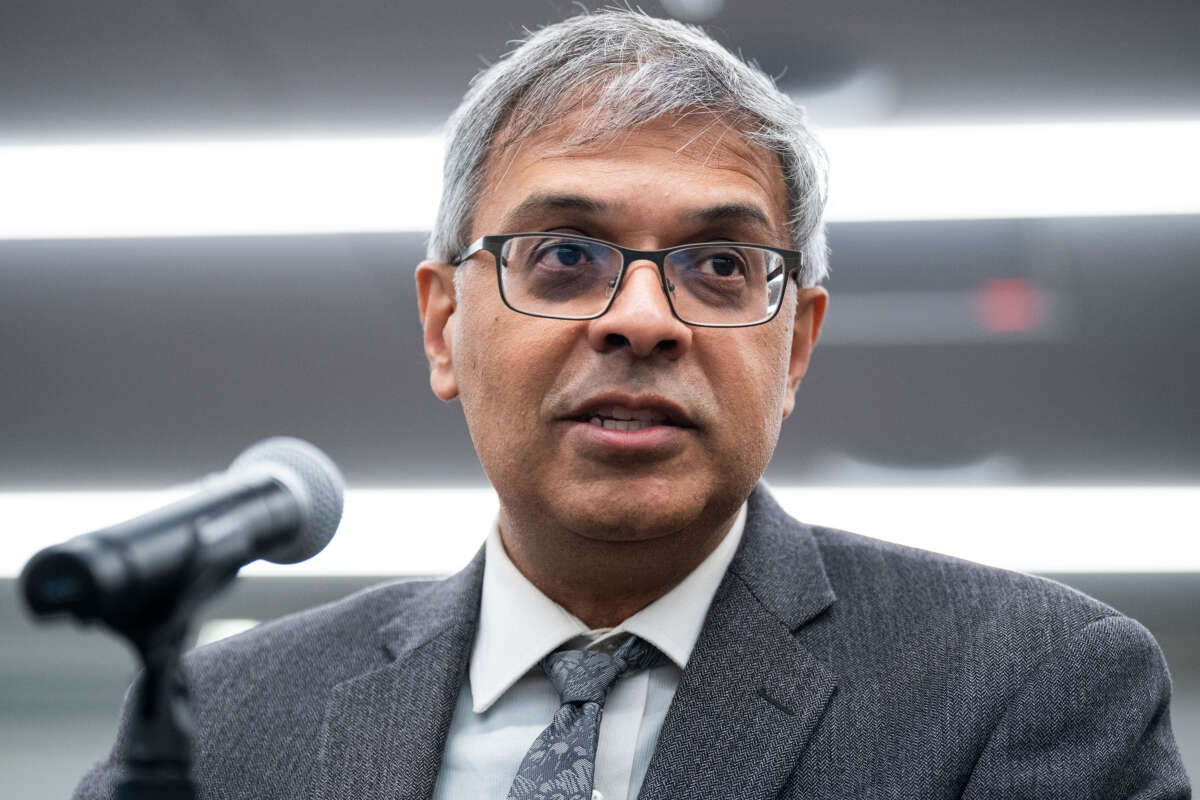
(408,532)
(219,188)
(393,184)
(1013,171)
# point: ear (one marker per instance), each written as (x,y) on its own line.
(437,303)
(810,313)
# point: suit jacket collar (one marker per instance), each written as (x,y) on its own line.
(781,563)
(451,603)
(384,730)
(746,705)
(752,696)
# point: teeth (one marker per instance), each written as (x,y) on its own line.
(620,424)
(625,414)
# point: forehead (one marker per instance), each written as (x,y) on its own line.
(672,177)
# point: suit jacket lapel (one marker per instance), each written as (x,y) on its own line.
(751,696)
(385,730)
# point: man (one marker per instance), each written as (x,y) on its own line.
(622,292)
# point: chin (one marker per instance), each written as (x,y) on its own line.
(633,510)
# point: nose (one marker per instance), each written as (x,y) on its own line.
(640,318)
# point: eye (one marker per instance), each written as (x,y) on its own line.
(564,255)
(722,265)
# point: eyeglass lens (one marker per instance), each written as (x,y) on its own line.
(713,284)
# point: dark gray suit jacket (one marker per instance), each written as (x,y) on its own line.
(830,666)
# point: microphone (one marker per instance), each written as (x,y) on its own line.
(281,500)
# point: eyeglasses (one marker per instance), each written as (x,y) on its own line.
(711,284)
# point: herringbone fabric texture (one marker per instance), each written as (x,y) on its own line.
(561,763)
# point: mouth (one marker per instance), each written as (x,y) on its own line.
(632,416)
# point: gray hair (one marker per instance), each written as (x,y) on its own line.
(629,68)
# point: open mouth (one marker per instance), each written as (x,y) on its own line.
(621,418)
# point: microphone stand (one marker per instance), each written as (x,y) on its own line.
(156,752)
(156,755)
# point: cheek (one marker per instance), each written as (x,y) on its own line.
(750,381)
(504,368)
(751,377)
(777,350)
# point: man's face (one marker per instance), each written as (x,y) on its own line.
(707,402)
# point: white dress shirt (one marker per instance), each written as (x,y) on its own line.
(507,701)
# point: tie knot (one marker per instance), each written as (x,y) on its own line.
(585,676)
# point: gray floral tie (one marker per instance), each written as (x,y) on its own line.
(561,763)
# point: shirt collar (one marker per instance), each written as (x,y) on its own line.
(518,625)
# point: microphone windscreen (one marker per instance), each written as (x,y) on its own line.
(315,481)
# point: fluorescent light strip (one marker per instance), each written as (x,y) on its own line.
(1014,171)
(435,531)
(219,188)
(226,188)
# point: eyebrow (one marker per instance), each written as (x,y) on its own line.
(732,212)
(543,203)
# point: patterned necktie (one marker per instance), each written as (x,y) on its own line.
(562,760)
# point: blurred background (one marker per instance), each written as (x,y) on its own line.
(210,211)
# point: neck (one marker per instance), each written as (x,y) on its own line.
(605,582)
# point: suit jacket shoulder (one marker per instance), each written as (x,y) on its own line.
(898,595)
(953,679)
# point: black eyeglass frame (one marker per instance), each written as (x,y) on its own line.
(793,263)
